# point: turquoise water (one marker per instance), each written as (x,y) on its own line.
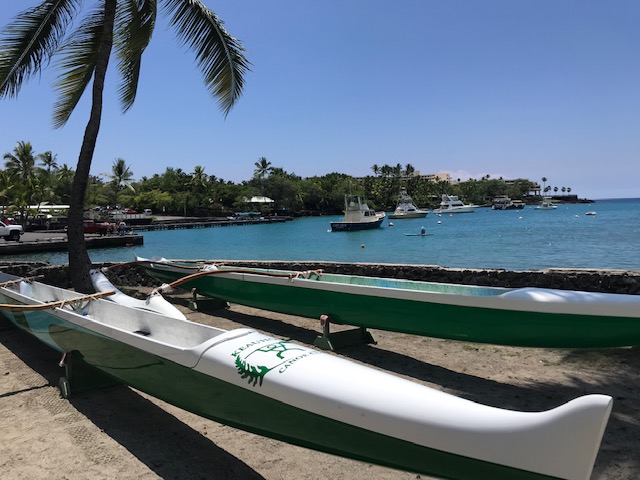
(513,240)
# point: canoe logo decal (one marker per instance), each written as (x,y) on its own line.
(275,356)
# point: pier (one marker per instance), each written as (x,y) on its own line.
(32,242)
(176,223)
(56,240)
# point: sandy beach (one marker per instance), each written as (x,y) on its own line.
(121,433)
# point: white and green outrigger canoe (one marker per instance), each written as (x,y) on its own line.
(529,317)
(300,395)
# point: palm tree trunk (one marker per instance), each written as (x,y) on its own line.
(79,261)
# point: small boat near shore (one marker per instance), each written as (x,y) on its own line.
(406,209)
(546,204)
(452,204)
(529,317)
(357,216)
(503,202)
(297,394)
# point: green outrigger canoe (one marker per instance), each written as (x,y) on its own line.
(303,396)
(529,317)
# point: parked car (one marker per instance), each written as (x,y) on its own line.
(10,231)
(129,211)
(91,226)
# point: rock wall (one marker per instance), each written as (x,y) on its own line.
(610,281)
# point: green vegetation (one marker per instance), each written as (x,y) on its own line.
(47,31)
(197,193)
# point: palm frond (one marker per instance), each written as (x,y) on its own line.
(135,23)
(77,63)
(29,41)
(218,54)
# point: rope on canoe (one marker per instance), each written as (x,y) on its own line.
(194,276)
(55,304)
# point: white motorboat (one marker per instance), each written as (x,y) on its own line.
(406,209)
(357,216)
(546,204)
(452,204)
(503,202)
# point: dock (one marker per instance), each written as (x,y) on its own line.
(56,240)
(177,223)
(32,242)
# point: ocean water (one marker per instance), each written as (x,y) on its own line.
(513,240)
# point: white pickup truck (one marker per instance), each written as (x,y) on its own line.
(10,232)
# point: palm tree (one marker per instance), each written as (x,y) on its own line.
(5,188)
(198,183)
(37,34)
(409,170)
(64,182)
(121,176)
(544,184)
(20,165)
(47,163)
(263,168)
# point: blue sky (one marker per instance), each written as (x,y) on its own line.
(500,87)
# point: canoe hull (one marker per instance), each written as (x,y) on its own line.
(431,315)
(282,390)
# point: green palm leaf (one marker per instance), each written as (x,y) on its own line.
(135,23)
(27,44)
(218,54)
(78,57)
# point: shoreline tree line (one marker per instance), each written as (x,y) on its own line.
(31,178)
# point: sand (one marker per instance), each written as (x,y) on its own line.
(121,433)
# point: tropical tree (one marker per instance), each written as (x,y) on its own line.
(263,168)
(121,176)
(20,165)
(409,170)
(544,184)
(198,184)
(5,188)
(64,182)
(39,33)
(48,164)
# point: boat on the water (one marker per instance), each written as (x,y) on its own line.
(503,202)
(546,204)
(405,207)
(297,394)
(530,317)
(357,216)
(452,204)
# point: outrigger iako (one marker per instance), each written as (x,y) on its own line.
(300,395)
(529,317)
